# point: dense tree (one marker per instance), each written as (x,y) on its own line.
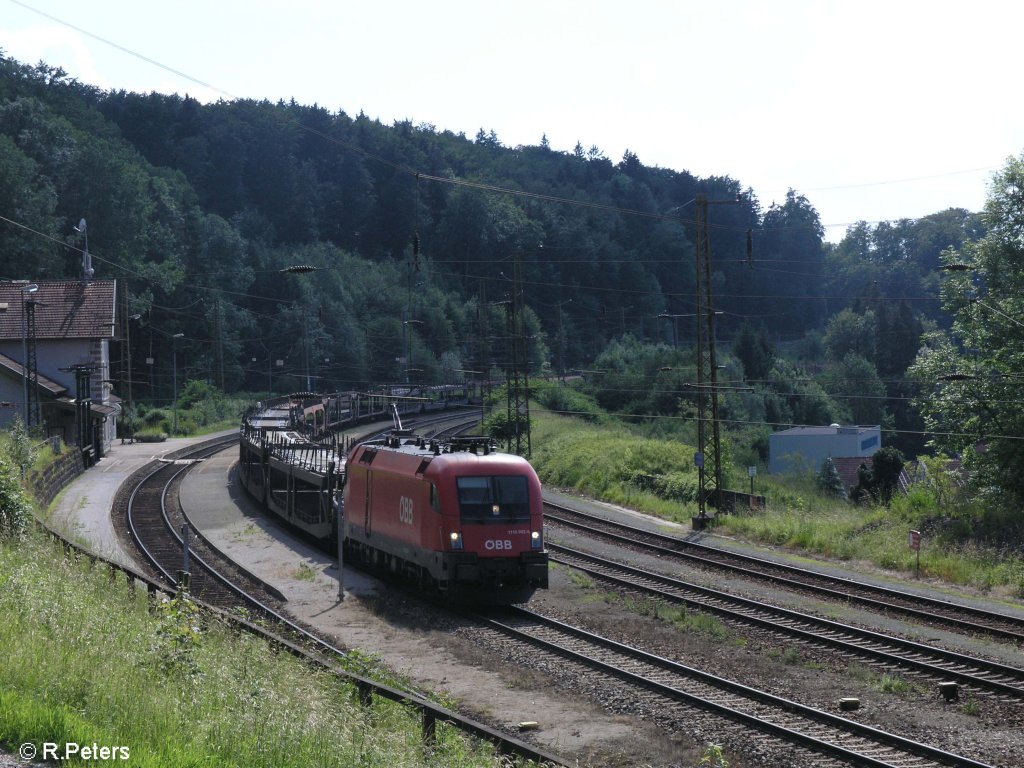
(850,332)
(791,247)
(755,351)
(855,382)
(796,400)
(887,466)
(896,260)
(415,233)
(28,198)
(970,375)
(632,377)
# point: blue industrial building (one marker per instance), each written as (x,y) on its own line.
(806,448)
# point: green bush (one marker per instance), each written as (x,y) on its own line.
(86,662)
(679,486)
(19,445)
(154,417)
(566,400)
(15,511)
(615,465)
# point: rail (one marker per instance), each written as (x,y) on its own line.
(431,713)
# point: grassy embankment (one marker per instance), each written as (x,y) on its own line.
(84,662)
(613,461)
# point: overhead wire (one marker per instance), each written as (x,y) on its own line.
(418,175)
(453,181)
(786,425)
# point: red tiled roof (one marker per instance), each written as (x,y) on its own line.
(847,466)
(65,309)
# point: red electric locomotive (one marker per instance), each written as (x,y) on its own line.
(457,515)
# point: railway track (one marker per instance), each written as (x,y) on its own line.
(933,663)
(155,523)
(676,692)
(152,517)
(920,608)
(815,731)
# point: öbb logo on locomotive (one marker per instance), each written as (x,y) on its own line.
(405,510)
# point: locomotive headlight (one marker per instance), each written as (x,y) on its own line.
(535,540)
(456,540)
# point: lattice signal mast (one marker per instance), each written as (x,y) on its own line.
(518,383)
(708,435)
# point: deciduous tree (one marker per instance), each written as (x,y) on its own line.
(971,375)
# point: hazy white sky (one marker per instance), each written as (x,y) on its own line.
(876,109)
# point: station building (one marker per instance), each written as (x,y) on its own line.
(55,360)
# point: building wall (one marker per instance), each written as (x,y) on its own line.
(794,450)
(51,356)
(11,391)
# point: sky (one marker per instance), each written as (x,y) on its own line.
(874,110)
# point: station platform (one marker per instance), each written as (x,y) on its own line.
(227,517)
(81,511)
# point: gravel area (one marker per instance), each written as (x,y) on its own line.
(591,721)
(979,726)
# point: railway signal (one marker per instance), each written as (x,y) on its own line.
(915,544)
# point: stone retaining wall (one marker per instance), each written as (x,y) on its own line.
(48,483)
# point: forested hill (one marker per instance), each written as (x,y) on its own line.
(197,208)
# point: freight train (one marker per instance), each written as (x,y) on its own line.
(453,515)
(456,515)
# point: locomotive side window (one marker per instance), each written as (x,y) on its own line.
(435,500)
(501,498)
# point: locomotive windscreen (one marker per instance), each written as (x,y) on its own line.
(499,498)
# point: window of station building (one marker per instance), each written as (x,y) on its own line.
(494,499)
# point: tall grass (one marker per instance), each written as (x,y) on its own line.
(83,662)
(613,464)
(610,461)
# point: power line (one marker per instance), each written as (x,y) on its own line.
(418,175)
(789,425)
(907,180)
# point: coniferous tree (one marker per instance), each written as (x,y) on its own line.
(829,480)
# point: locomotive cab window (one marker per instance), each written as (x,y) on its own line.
(500,498)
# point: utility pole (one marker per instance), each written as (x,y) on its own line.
(83,408)
(482,357)
(174,372)
(561,339)
(218,348)
(32,365)
(126,371)
(300,269)
(708,440)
